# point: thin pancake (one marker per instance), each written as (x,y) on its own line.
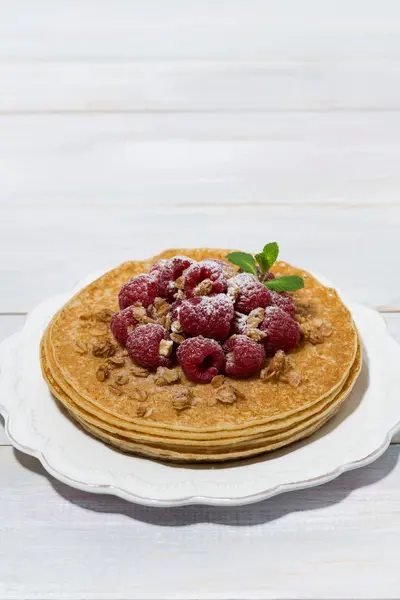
(120,439)
(327,367)
(118,424)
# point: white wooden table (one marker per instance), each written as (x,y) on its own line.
(127,127)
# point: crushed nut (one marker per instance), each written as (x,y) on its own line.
(276,367)
(161,307)
(103,349)
(81,347)
(85,316)
(102,373)
(165,347)
(217,381)
(180,295)
(115,390)
(144,411)
(176,327)
(104,315)
(316,331)
(115,362)
(182,400)
(138,394)
(204,288)
(122,379)
(180,282)
(294,378)
(233,291)
(140,314)
(166,321)
(227,394)
(255,318)
(139,371)
(178,339)
(254,334)
(164,376)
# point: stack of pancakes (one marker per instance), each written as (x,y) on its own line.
(127,408)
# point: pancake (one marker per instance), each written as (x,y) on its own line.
(282,423)
(326,366)
(123,439)
(267,414)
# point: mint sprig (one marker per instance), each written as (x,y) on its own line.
(243,260)
(287,283)
(267,257)
(265,260)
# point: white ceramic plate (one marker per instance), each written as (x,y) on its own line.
(359,434)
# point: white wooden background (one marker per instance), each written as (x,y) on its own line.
(130,126)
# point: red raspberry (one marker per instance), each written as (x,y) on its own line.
(170,272)
(143,289)
(283,332)
(238,323)
(244,358)
(209,316)
(229,269)
(283,301)
(122,324)
(253,294)
(143,346)
(268,276)
(158,267)
(206,269)
(201,359)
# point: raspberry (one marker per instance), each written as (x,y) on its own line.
(244,358)
(283,332)
(283,301)
(122,324)
(229,269)
(158,267)
(143,346)
(207,269)
(268,276)
(143,289)
(201,359)
(239,323)
(170,272)
(253,294)
(207,316)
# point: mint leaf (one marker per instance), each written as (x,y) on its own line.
(268,256)
(288,283)
(243,260)
(270,253)
(263,262)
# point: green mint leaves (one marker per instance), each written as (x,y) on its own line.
(287,283)
(243,260)
(267,257)
(265,260)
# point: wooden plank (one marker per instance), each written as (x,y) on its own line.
(52,247)
(346,539)
(103,86)
(240,29)
(336,158)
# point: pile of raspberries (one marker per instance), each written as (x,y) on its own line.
(210,309)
